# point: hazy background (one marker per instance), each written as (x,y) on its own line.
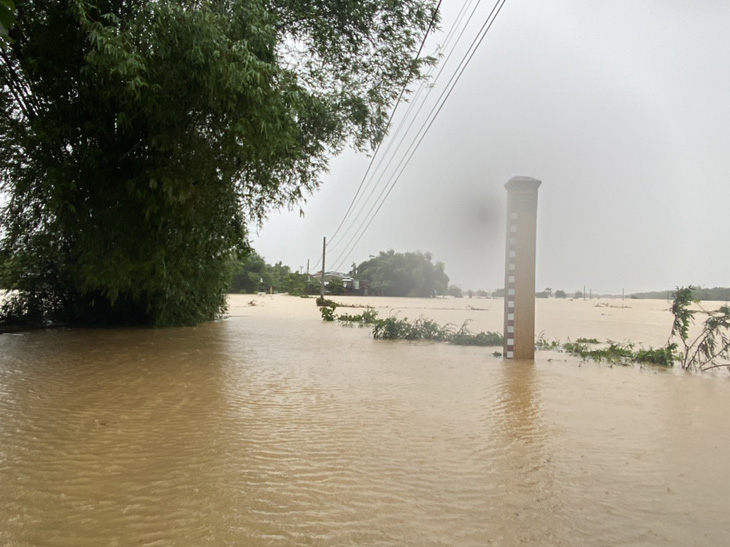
(621,108)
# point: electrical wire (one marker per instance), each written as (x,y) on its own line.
(392,114)
(334,243)
(390,119)
(433,114)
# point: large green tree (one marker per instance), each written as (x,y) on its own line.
(139,138)
(404,274)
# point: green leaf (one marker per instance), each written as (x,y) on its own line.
(7,17)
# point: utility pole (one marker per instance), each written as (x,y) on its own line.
(324,248)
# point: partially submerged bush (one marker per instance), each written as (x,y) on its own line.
(613,353)
(465,338)
(661,356)
(543,343)
(368,317)
(322,301)
(395,328)
(328,312)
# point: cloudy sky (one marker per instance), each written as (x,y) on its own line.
(620,107)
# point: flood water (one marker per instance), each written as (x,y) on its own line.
(274,428)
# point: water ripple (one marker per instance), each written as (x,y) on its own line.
(268,432)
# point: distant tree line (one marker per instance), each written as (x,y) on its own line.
(399,274)
(388,274)
(253,274)
(721,294)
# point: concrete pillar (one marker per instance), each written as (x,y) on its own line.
(519,275)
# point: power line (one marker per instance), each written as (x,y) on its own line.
(334,243)
(412,149)
(390,119)
(437,109)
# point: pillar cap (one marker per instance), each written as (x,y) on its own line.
(523,183)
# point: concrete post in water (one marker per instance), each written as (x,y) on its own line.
(519,275)
(324,249)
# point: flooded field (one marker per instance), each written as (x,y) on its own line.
(274,428)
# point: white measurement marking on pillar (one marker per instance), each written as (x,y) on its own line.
(519,301)
(510,296)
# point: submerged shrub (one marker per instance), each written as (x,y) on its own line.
(465,338)
(620,354)
(328,312)
(543,343)
(614,353)
(392,328)
(427,329)
(322,301)
(660,356)
(368,317)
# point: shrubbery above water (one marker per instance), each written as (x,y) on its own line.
(710,349)
(396,328)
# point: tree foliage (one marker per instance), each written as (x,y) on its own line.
(404,274)
(139,138)
(7,18)
(708,349)
(253,274)
(455,291)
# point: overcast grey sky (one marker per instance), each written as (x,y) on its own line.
(620,107)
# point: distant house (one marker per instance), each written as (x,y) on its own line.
(351,285)
(356,286)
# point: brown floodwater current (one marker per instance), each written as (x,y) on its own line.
(274,428)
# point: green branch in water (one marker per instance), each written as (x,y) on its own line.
(614,353)
(711,347)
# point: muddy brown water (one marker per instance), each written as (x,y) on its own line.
(274,428)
